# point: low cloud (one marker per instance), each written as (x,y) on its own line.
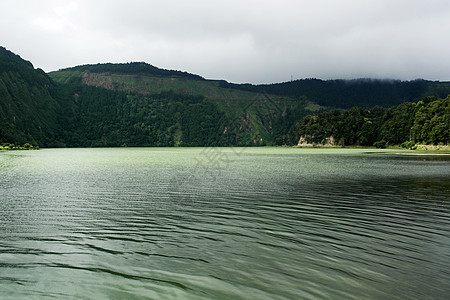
(240,41)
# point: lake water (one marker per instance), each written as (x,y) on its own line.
(224,223)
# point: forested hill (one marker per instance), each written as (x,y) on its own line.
(30,103)
(137,104)
(329,93)
(347,93)
(135,68)
(149,109)
(424,122)
(110,105)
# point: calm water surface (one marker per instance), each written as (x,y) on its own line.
(224,223)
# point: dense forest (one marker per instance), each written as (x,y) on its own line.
(348,93)
(37,110)
(106,118)
(137,104)
(132,68)
(101,117)
(407,124)
(30,103)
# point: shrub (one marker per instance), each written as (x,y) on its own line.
(408,145)
(380,144)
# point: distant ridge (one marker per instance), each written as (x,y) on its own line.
(132,68)
(138,104)
(363,92)
(337,93)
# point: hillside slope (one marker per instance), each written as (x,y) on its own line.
(365,93)
(240,117)
(425,122)
(30,103)
(152,107)
(137,104)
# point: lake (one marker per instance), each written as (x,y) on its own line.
(224,223)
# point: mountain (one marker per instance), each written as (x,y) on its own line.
(133,68)
(144,78)
(357,92)
(137,104)
(30,103)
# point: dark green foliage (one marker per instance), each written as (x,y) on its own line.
(132,68)
(432,122)
(111,118)
(410,145)
(28,109)
(347,93)
(407,124)
(380,144)
(36,110)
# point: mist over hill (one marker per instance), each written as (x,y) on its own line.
(137,104)
(364,92)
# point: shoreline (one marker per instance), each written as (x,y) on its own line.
(429,150)
(420,150)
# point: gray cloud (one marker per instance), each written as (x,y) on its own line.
(240,41)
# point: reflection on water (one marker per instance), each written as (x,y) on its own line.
(276,223)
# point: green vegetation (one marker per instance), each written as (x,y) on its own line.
(110,105)
(175,110)
(348,93)
(137,104)
(30,103)
(26,146)
(101,117)
(151,83)
(107,118)
(133,68)
(425,122)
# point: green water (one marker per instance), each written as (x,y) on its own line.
(224,223)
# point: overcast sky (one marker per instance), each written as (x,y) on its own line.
(239,41)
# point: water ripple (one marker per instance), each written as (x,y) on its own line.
(277,224)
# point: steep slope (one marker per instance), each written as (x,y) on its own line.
(137,104)
(146,79)
(29,110)
(239,117)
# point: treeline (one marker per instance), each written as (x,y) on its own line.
(102,117)
(424,122)
(132,68)
(36,110)
(30,103)
(348,93)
